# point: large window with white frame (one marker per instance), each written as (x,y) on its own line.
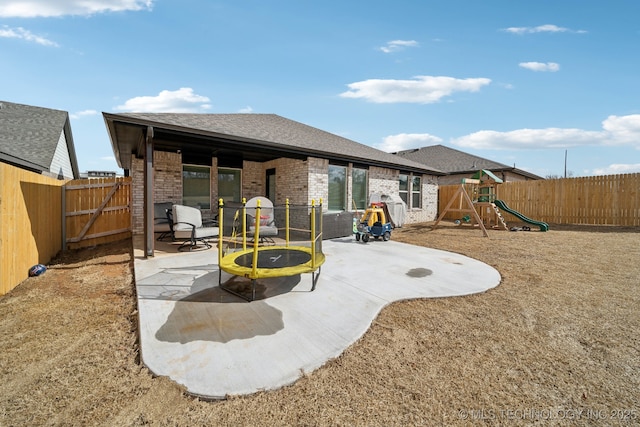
(337,188)
(359,187)
(410,189)
(196,186)
(230,184)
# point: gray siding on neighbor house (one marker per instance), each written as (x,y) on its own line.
(61,162)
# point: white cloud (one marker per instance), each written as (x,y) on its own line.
(182,100)
(396,45)
(406,141)
(547,28)
(617,169)
(21,33)
(51,8)
(421,90)
(246,110)
(623,130)
(540,66)
(528,139)
(83,113)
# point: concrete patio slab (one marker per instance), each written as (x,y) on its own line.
(216,344)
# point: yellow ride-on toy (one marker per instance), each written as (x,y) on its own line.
(373,223)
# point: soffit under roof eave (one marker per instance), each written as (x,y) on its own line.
(123,143)
(71,148)
(245,144)
(114,146)
(288,149)
(8,158)
(124,138)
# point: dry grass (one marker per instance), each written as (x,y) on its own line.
(559,334)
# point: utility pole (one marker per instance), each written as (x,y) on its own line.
(565,163)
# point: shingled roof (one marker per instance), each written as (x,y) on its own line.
(452,161)
(30,135)
(266,132)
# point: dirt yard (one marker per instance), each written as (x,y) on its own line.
(556,343)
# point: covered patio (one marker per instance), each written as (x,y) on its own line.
(216,344)
(235,156)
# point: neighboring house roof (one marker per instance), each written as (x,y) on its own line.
(454,162)
(259,137)
(38,139)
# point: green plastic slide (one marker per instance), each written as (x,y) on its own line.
(502,205)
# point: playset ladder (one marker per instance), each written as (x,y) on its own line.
(499,216)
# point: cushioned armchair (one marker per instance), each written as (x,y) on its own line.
(268,228)
(188,225)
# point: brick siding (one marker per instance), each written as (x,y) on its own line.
(300,181)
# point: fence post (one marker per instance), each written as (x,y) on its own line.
(148,194)
(63,214)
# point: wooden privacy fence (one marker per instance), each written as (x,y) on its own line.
(97,211)
(30,222)
(40,215)
(595,200)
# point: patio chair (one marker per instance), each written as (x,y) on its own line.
(161,221)
(268,227)
(188,225)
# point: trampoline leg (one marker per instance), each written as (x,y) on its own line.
(314,279)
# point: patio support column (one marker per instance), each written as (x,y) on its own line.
(148,193)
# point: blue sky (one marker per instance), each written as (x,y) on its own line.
(515,81)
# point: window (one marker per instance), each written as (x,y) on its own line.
(416,197)
(196,186)
(359,187)
(404,188)
(230,184)
(410,190)
(337,188)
